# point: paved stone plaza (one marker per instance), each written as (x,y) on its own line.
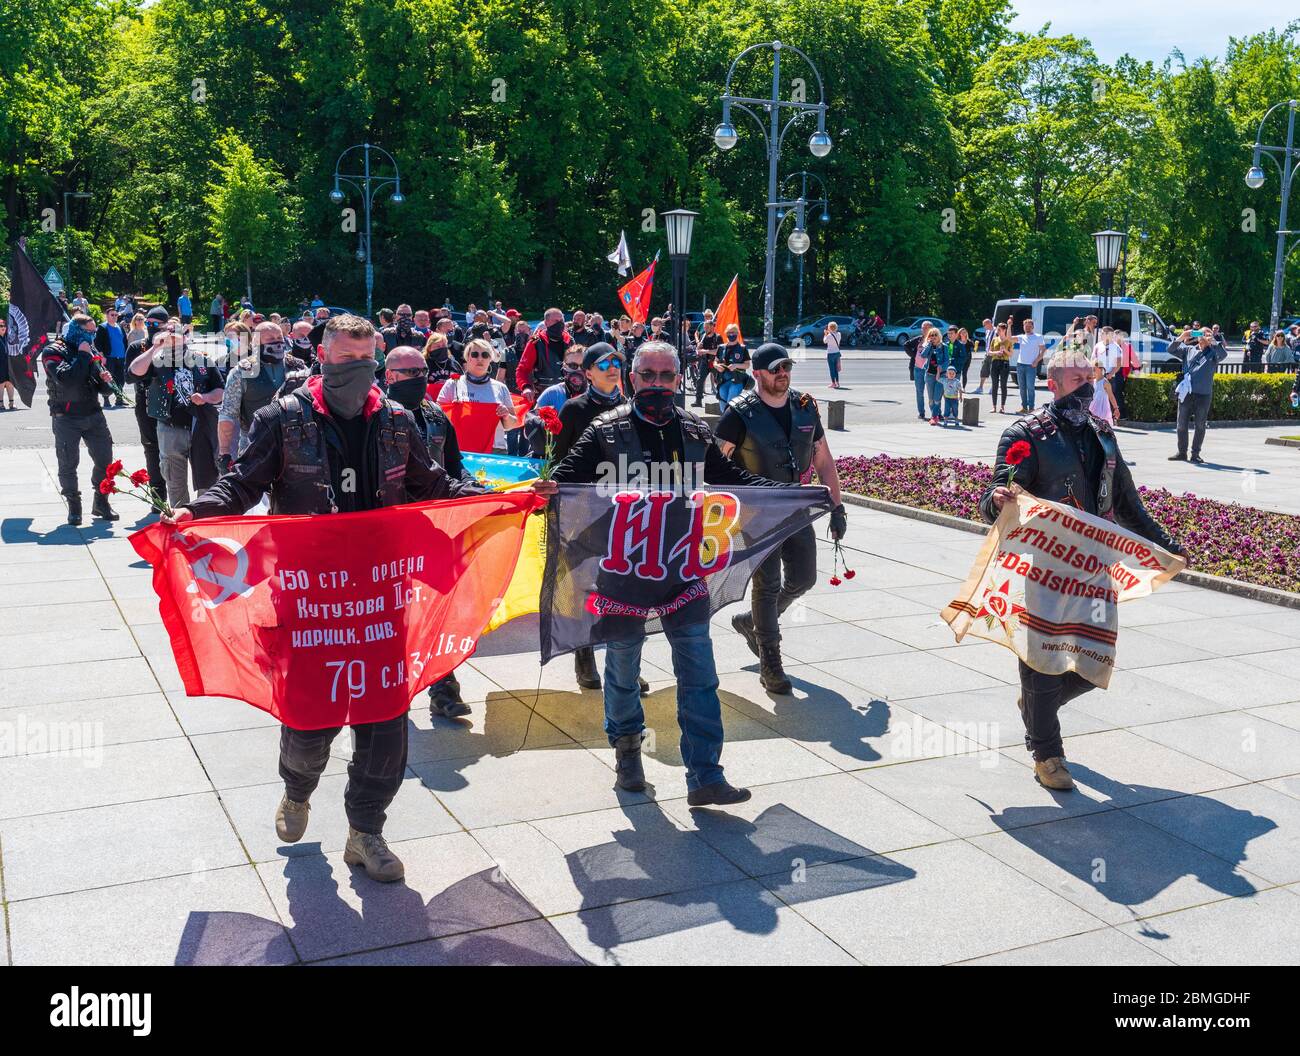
(895,818)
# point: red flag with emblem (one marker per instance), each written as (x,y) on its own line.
(333,620)
(635,296)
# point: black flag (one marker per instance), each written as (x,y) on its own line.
(33,314)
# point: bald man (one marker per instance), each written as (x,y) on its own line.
(251,384)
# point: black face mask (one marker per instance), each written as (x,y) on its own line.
(403,326)
(574,381)
(555,331)
(654,405)
(409,392)
(1074,406)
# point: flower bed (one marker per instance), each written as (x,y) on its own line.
(1222,539)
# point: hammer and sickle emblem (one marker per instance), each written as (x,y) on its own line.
(230,586)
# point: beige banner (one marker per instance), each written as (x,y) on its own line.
(1047,582)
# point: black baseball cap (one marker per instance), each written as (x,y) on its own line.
(768,355)
(597,352)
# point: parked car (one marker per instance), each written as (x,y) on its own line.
(903,330)
(807,332)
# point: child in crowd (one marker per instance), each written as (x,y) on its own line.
(952,395)
(1103,404)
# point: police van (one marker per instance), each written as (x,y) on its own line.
(1052,316)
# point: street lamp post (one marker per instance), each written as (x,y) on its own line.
(67,236)
(369,185)
(680,227)
(824,202)
(1282,157)
(1109,245)
(819,144)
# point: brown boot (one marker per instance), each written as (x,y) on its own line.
(1051,773)
(291,819)
(370,850)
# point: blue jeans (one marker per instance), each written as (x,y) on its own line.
(833,361)
(1027,377)
(729,390)
(920,379)
(699,712)
(950,407)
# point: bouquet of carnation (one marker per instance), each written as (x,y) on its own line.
(551,423)
(140,487)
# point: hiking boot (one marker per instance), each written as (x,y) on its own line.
(719,793)
(74,509)
(627,763)
(770,672)
(102,511)
(444,698)
(369,849)
(584,667)
(1177,458)
(291,819)
(744,625)
(1051,773)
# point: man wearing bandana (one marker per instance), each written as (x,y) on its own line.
(650,431)
(542,362)
(1074,459)
(336,445)
(251,384)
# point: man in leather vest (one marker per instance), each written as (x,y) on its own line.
(650,434)
(336,444)
(75,380)
(542,363)
(251,384)
(1074,459)
(775,432)
(407,375)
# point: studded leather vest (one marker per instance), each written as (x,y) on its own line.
(765,449)
(1061,468)
(261,382)
(306,483)
(435,426)
(618,436)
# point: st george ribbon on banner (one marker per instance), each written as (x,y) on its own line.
(335,620)
(1047,582)
(620,564)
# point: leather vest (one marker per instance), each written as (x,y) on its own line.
(262,380)
(548,368)
(618,436)
(306,484)
(435,424)
(1061,475)
(766,451)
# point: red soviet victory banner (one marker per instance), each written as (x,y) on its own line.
(333,620)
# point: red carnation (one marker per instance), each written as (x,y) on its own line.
(114,468)
(171,385)
(849,573)
(106,486)
(550,420)
(140,478)
(835,581)
(1018,452)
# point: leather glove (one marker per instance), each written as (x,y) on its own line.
(224,462)
(839,522)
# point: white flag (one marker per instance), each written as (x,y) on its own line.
(621,256)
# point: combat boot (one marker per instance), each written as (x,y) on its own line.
(743,623)
(444,698)
(101,510)
(770,672)
(584,667)
(627,763)
(291,819)
(74,509)
(1051,773)
(370,850)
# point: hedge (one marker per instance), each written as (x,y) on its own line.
(1236,397)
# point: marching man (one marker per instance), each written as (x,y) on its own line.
(337,427)
(775,432)
(1072,458)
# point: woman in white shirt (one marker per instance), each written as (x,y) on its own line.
(477,385)
(832,338)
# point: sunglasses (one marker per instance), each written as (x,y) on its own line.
(664,377)
(608,362)
(783,367)
(480,355)
(411,372)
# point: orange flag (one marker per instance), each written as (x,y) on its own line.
(635,296)
(728,311)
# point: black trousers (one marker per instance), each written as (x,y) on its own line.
(1193,411)
(69,431)
(149,440)
(705,369)
(1042,696)
(1117,387)
(788,572)
(117,368)
(204,448)
(999,372)
(374,775)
